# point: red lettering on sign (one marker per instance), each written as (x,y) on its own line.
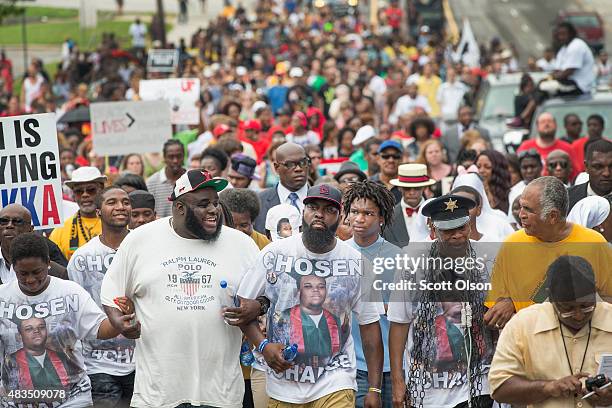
(49,209)
(187,84)
(110,126)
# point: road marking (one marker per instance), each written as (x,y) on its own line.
(514,13)
(525,28)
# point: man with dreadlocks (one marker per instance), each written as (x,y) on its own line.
(450,349)
(369,208)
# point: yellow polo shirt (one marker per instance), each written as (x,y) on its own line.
(63,235)
(521,264)
(530,346)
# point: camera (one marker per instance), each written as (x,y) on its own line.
(595,382)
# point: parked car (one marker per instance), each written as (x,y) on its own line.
(589,25)
(495,103)
(583,106)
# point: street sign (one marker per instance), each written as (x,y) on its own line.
(120,128)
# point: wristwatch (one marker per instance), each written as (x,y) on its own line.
(264,305)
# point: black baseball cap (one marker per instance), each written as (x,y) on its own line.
(449,211)
(193,180)
(142,199)
(324,192)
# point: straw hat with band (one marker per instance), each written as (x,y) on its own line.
(412,175)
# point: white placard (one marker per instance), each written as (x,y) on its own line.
(181,93)
(162,60)
(120,128)
(30,167)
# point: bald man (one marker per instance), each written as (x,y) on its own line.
(545,142)
(559,165)
(292,166)
(15,220)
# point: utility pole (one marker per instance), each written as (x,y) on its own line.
(24,39)
(161,22)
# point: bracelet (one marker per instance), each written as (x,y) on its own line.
(262,345)
(376,390)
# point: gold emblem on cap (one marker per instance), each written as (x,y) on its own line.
(451,205)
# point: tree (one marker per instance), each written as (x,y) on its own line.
(9,8)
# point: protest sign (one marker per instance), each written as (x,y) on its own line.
(162,60)
(181,93)
(30,167)
(331,166)
(130,127)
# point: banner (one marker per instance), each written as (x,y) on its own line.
(30,167)
(332,166)
(120,128)
(162,60)
(468,50)
(181,93)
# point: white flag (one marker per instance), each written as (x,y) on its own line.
(467,51)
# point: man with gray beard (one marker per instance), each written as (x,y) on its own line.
(314,283)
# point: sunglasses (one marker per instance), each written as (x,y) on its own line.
(17,222)
(528,153)
(82,190)
(391,156)
(305,162)
(562,164)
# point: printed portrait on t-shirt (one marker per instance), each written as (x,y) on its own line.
(312,303)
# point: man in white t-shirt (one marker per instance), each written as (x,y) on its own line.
(574,62)
(110,363)
(42,319)
(138,31)
(314,283)
(172,270)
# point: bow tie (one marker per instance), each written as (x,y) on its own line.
(410,211)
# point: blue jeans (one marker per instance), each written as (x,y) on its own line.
(362,389)
(110,391)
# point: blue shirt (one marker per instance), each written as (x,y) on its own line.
(379,249)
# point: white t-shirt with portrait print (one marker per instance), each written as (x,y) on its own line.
(326,361)
(87,267)
(186,352)
(59,317)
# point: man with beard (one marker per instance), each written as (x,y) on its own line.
(449,350)
(317,273)
(110,363)
(172,270)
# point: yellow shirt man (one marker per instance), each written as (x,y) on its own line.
(75,233)
(428,87)
(530,346)
(521,264)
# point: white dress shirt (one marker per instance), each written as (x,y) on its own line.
(7,274)
(283,195)
(450,96)
(410,221)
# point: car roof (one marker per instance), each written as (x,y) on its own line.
(598,98)
(513,78)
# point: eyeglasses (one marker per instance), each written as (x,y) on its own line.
(391,156)
(553,165)
(349,180)
(17,222)
(82,190)
(567,315)
(305,162)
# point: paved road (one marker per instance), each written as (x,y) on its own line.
(526,23)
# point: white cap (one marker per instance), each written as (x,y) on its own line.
(257,105)
(240,71)
(364,133)
(296,72)
(277,213)
(86,174)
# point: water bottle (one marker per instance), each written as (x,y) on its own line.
(290,352)
(246,354)
(227,299)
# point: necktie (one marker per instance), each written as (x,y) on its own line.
(293,197)
(411,211)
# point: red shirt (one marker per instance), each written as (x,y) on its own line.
(394,16)
(544,151)
(578,148)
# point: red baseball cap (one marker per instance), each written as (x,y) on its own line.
(221,129)
(252,124)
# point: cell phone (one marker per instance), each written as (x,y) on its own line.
(590,394)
